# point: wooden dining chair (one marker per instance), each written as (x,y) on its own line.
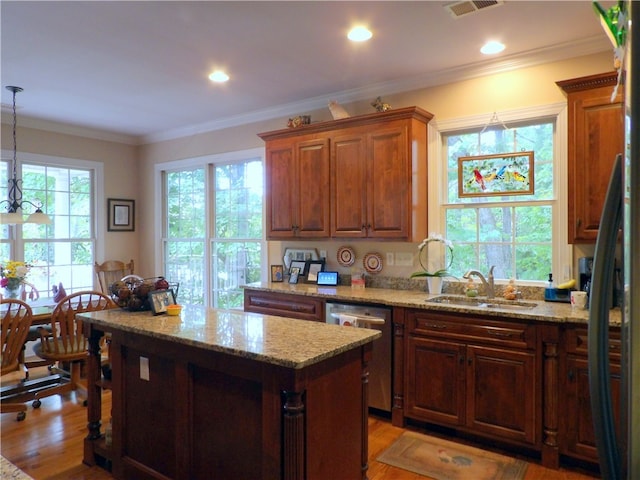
(16,320)
(111,271)
(66,343)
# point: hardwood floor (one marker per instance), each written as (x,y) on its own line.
(48,444)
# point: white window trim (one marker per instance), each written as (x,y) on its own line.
(437,181)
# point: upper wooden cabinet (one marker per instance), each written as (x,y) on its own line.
(357,177)
(596,136)
(297,200)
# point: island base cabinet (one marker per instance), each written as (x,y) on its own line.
(187,413)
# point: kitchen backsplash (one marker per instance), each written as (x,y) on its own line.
(449,287)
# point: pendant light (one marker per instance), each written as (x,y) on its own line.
(15,202)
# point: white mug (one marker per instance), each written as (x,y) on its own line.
(578,299)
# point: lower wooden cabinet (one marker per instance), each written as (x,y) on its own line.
(576,420)
(473,374)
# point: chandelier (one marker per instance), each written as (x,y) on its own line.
(15,203)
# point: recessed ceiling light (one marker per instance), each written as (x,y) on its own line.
(492,47)
(218,76)
(359,34)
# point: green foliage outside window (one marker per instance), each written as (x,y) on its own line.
(236,244)
(514,233)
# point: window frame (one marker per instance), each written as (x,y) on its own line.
(98,215)
(562,253)
(208,162)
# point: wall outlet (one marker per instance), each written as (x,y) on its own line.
(404,259)
(390,261)
(144,368)
(323,254)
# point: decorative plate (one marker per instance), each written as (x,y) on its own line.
(372,262)
(346,256)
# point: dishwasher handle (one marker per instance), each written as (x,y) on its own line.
(362,319)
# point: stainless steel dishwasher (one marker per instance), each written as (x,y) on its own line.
(365,316)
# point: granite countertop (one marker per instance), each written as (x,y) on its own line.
(555,312)
(270,339)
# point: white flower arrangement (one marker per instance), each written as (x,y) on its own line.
(424,251)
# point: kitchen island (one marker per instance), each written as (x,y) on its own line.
(228,394)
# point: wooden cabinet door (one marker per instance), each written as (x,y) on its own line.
(501,393)
(389,183)
(281,193)
(349,186)
(435,380)
(312,188)
(595,137)
(297,184)
(580,438)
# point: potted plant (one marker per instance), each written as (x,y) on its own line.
(436,266)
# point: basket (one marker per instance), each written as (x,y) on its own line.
(132,292)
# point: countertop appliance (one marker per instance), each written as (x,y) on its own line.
(618,450)
(365,316)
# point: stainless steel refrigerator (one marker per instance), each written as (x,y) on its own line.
(619,445)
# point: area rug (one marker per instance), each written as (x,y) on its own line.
(443,460)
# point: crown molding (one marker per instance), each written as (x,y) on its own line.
(589,46)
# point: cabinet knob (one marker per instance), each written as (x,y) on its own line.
(461,359)
(578,222)
(570,375)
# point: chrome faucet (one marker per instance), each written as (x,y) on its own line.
(489,285)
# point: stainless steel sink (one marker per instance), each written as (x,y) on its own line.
(458,300)
(482,302)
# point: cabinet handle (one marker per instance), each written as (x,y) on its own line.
(437,326)
(499,334)
(364,227)
(469,361)
(570,375)
(578,222)
(461,359)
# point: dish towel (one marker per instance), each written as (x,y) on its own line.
(348,320)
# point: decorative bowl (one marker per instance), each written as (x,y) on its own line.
(174,310)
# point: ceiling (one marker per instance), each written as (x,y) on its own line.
(138,70)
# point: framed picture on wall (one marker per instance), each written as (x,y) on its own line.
(121,215)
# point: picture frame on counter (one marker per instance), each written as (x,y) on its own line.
(300,265)
(160,300)
(312,268)
(294,273)
(121,215)
(277,273)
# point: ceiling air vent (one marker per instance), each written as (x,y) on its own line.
(459,9)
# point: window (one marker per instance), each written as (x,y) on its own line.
(516,233)
(62,252)
(229,257)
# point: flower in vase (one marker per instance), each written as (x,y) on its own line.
(439,265)
(13,274)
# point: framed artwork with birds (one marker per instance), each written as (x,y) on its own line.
(499,174)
